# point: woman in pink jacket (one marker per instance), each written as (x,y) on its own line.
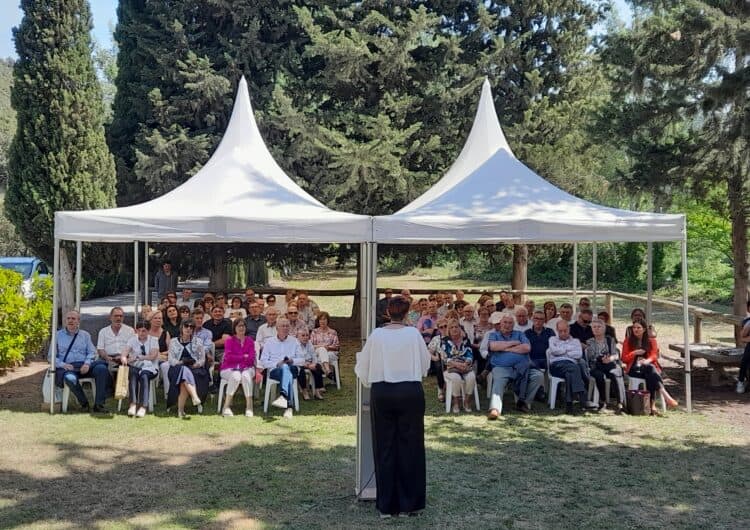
(238,367)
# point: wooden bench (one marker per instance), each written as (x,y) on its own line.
(716,354)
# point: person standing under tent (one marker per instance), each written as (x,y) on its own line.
(165,280)
(393,363)
(745,363)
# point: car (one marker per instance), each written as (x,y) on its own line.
(29,268)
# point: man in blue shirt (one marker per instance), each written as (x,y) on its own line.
(76,358)
(508,352)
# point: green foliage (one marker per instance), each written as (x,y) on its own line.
(24,323)
(7,117)
(10,243)
(58,159)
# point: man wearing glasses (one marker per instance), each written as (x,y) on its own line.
(581,328)
(254,319)
(112,339)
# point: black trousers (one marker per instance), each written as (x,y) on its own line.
(745,364)
(651,375)
(397,414)
(317,375)
(601,373)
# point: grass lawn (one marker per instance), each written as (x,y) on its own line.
(544,470)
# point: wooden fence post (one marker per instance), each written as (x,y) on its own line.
(697,322)
(609,305)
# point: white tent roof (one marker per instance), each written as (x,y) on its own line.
(240,195)
(489,196)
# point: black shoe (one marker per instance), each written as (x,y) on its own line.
(213,390)
(85,408)
(541,396)
(570,410)
(521,406)
(332,376)
(101,409)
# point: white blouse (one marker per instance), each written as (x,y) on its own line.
(393,355)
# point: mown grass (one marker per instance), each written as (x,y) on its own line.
(544,470)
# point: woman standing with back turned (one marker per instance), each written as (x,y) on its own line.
(393,362)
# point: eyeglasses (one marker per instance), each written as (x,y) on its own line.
(191,326)
(119,315)
(442,326)
(185,311)
(291,312)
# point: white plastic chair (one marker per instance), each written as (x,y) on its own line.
(552,384)
(151,396)
(337,372)
(634,383)
(272,384)
(449,395)
(82,381)
(222,388)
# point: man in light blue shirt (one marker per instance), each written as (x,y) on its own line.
(508,352)
(76,358)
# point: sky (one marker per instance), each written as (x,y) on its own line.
(104,13)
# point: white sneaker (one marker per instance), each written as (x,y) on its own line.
(280,402)
(199,408)
(249,413)
(288,413)
(741,387)
(131,410)
(227,413)
(141,412)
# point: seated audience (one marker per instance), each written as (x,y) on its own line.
(416,311)
(481,327)
(254,319)
(458,360)
(603,357)
(468,320)
(308,309)
(566,314)
(507,353)
(311,363)
(76,358)
(172,320)
(113,338)
(238,367)
(282,304)
(141,355)
(282,356)
(436,364)
(221,330)
(187,297)
(235,309)
(267,330)
(610,331)
(522,319)
(581,328)
(506,302)
(530,306)
(184,312)
(639,314)
(426,323)
(538,335)
(271,302)
(567,362)
(187,373)
(550,312)
(249,298)
(295,324)
(325,340)
(146,311)
(641,356)
(584,303)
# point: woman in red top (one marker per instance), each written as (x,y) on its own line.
(641,356)
(238,367)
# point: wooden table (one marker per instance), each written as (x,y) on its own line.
(718,356)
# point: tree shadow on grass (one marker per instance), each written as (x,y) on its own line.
(532,473)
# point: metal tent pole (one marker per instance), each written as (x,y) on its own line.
(649,281)
(146,294)
(686,324)
(594,274)
(135,283)
(53,337)
(79,248)
(575,275)
(365,466)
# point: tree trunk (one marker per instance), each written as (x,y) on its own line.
(217,279)
(355,316)
(738,212)
(520,270)
(66,283)
(257,272)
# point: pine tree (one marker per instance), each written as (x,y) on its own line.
(58,159)
(687,64)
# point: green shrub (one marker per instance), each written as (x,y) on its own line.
(24,323)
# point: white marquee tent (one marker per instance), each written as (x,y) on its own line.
(240,195)
(489,196)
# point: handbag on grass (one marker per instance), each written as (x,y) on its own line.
(121,386)
(639,402)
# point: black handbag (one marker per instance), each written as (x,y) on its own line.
(639,402)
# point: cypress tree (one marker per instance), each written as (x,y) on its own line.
(58,159)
